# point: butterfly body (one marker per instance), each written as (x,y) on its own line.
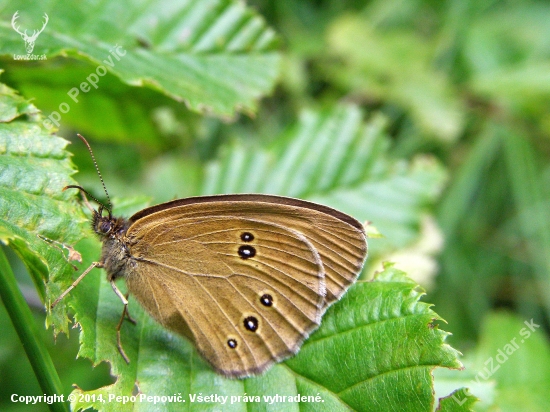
(246,278)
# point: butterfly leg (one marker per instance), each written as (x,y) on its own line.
(128,317)
(119,326)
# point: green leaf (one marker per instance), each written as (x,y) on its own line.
(215,55)
(339,364)
(13,105)
(350,356)
(34,168)
(115,111)
(459,400)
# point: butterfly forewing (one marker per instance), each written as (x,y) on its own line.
(339,238)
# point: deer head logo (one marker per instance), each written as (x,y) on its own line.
(29,40)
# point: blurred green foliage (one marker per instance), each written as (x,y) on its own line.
(465,82)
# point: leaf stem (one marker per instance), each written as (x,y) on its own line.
(25,326)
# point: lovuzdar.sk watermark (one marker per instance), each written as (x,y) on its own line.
(501,356)
(29,39)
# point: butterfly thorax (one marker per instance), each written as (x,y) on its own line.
(114,254)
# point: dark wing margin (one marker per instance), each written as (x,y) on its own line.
(250,198)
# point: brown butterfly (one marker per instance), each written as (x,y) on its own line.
(245,277)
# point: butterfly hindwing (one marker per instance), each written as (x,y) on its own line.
(243,313)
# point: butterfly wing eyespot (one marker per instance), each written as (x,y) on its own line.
(246,252)
(251,323)
(247,237)
(243,313)
(266,299)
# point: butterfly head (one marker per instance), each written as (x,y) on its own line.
(107,226)
(104,226)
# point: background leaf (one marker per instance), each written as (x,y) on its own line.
(422,90)
(217,56)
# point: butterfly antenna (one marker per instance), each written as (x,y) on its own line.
(98,173)
(101,205)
